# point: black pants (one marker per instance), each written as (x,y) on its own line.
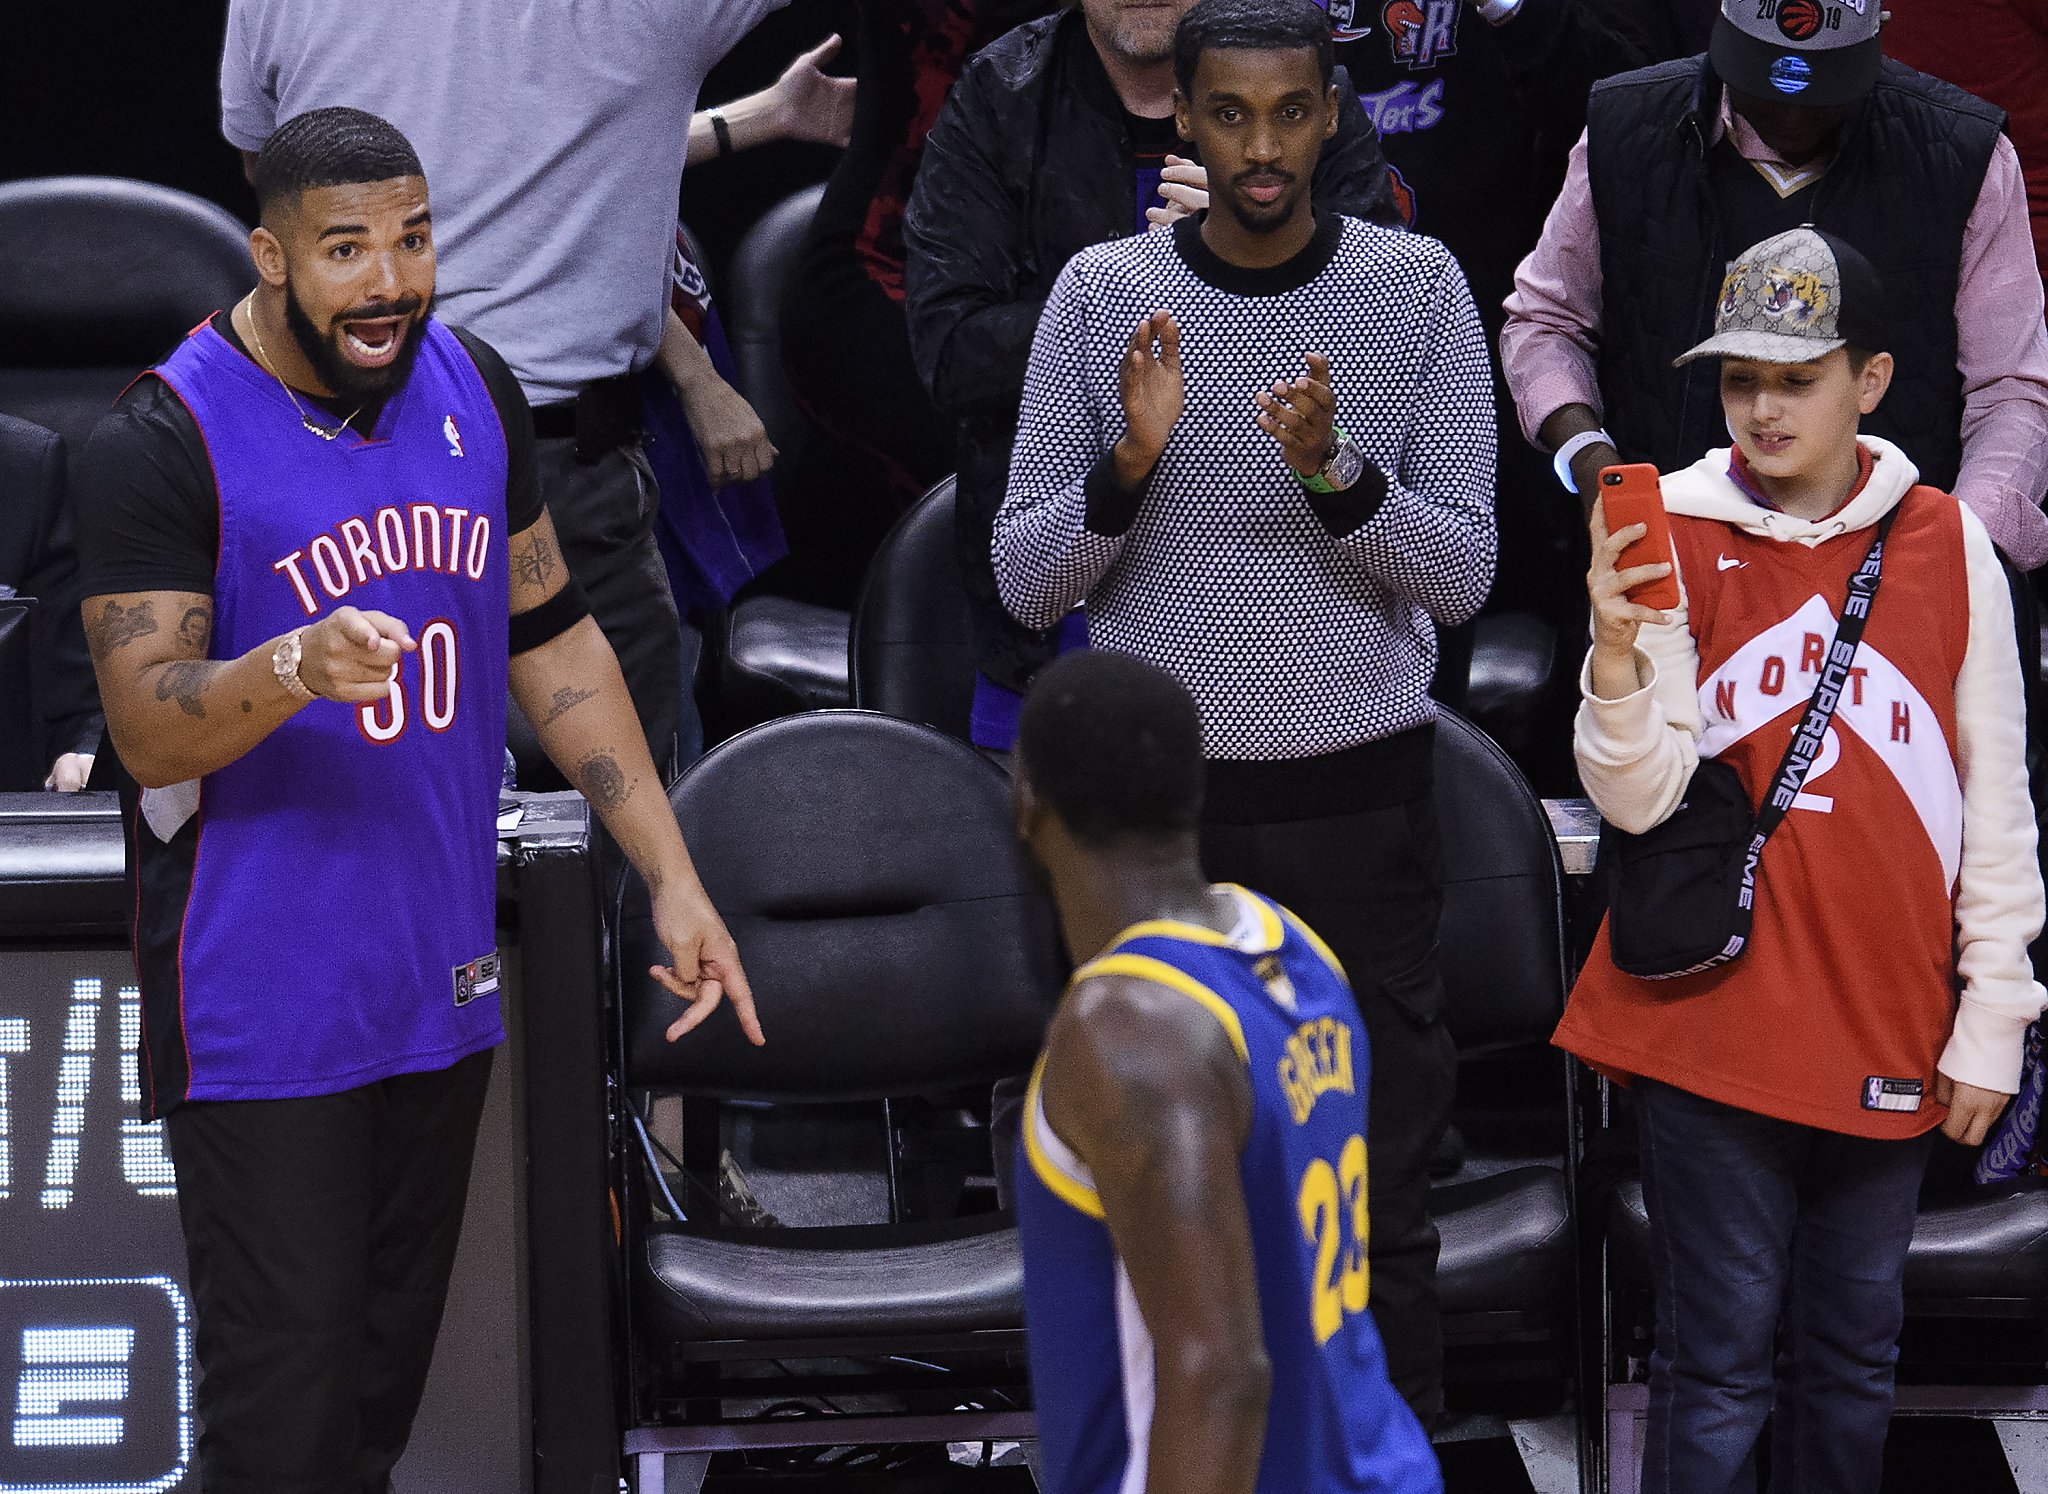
(604,516)
(320,1234)
(1370,883)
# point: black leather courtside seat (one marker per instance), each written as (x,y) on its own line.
(913,653)
(867,869)
(99,277)
(1513,657)
(772,656)
(1508,1246)
(750,304)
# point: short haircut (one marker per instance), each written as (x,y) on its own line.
(1254,25)
(1114,745)
(330,148)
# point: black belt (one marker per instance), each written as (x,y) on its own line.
(604,415)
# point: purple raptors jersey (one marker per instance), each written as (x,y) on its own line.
(320,913)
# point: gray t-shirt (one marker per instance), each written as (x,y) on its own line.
(552,132)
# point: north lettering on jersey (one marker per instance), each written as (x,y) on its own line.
(397,538)
(1317,1062)
(1876,703)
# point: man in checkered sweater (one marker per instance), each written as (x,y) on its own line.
(1259,449)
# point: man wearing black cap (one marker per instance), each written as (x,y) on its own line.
(1792,117)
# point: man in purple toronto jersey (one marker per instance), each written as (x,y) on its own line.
(317,564)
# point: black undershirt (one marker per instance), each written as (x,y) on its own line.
(148,515)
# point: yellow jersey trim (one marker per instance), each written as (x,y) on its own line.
(1144,967)
(1271,933)
(1063,1185)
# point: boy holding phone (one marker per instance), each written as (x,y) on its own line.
(1786,1101)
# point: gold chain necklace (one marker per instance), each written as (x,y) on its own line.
(248,305)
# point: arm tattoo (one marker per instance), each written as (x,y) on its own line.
(182,681)
(118,626)
(565,701)
(535,561)
(195,629)
(603,782)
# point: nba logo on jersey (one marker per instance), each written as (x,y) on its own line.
(454,436)
(1873,1092)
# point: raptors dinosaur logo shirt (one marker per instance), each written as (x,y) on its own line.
(320,913)
(1839,1009)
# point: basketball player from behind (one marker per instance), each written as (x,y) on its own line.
(1192,1189)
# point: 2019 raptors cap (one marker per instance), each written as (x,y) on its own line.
(1812,52)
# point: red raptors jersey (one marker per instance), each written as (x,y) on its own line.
(1836,1014)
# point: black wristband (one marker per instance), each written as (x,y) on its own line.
(549,621)
(724,135)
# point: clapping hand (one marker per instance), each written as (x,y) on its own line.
(1301,414)
(1149,386)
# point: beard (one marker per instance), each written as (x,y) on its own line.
(1256,217)
(348,380)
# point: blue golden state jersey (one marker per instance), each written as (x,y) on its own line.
(1334,1423)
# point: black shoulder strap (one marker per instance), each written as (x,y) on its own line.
(1834,678)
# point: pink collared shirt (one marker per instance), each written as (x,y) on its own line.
(1552,335)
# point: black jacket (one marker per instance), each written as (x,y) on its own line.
(37,560)
(1028,164)
(1673,212)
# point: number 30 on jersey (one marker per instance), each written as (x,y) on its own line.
(386,720)
(1336,1220)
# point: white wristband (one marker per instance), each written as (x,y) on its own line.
(1497,12)
(1562,462)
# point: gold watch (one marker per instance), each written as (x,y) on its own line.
(284,663)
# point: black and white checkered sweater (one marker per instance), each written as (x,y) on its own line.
(1301,624)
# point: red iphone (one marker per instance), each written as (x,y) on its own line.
(1630,495)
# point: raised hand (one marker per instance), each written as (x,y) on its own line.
(812,104)
(1617,620)
(1149,386)
(1301,415)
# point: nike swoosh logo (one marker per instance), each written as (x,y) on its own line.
(1729,563)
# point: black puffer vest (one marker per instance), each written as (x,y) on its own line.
(1907,172)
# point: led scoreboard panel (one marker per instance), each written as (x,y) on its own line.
(96,1366)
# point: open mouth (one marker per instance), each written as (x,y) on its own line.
(374,343)
(1771,443)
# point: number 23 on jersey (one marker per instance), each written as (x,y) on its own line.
(1336,1220)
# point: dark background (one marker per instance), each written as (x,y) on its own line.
(131,88)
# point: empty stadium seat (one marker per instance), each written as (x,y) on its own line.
(771,656)
(1505,1271)
(912,650)
(99,277)
(896,946)
(1513,657)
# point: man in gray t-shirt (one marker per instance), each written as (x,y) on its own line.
(555,135)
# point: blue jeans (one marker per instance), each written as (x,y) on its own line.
(1778,1256)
